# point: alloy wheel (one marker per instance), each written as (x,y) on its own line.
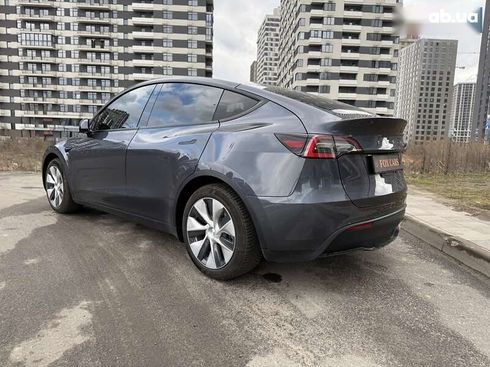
(54,186)
(211,233)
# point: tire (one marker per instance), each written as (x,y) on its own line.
(246,253)
(65,204)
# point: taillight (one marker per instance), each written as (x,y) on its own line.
(312,146)
(344,144)
(318,146)
(295,143)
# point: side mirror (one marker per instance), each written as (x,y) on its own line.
(84,126)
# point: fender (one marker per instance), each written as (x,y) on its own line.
(59,151)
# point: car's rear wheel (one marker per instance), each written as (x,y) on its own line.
(219,233)
(57,189)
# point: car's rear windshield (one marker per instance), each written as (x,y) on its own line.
(326,104)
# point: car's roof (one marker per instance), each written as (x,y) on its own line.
(190,79)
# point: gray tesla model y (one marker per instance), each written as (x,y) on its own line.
(237,172)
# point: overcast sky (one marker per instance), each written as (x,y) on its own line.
(236,23)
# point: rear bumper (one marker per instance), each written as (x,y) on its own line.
(294,232)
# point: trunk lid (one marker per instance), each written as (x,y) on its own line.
(370,173)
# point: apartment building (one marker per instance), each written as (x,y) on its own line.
(60,61)
(253,71)
(345,50)
(481,112)
(425,88)
(462,112)
(268,49)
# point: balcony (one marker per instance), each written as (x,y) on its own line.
(94,61)
(143,35)
(94,20)
(347,96)
(352,27)
(95,75)
(44,18)
(353,14)
(349,68)
(37,3)
(137,48)
(143,6)
(350,55)
(38,59)
(142,76)
(142,62)
(143,20)
(94,4)
(98,33)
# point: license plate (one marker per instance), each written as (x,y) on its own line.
(386,162)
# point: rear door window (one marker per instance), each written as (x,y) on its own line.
(232,104)
(184,104)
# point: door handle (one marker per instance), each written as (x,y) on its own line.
(187,142)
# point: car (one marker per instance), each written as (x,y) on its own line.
(237,172)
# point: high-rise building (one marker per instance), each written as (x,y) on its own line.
(462,112)
(425,88)
(268,48)
(253,71)
(481,112)
(61,60)
(344,50)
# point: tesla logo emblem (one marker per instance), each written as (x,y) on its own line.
(385,144)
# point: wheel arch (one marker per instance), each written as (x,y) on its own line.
(195,183)
(48,157)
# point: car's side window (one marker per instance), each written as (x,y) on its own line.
(232,104)
(124,112)
(184,104)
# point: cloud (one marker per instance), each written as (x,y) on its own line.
(235,36)
(236,23)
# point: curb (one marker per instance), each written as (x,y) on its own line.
(458,248)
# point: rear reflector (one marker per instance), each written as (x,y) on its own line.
(360,227)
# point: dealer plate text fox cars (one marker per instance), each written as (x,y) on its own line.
(237,172)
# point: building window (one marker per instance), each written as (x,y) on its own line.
(167,57)
(167,29)
(193,3)
(329,20)
(192,30)
(327,48)
(167,14)
(191,44)
(330,6)
(192,15)
(192,72)
(191,58)
(167,43)
(326,62)
(167,70)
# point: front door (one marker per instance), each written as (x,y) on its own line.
(98,161)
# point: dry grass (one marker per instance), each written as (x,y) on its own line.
(445,157)
(469,192)
(22,154)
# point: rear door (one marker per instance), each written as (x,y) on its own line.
(168,145)
(98,161)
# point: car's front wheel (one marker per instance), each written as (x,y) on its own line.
(57,189)
(219,233)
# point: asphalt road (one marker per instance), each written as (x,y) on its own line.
(90,289)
